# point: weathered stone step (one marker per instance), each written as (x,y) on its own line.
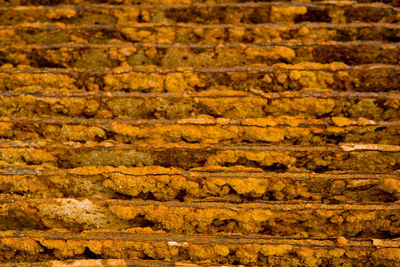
(361,106)
(166,2)
(221,249)
(57,33)
(296,220)
(235,185)
(345,157)
(281,130)
(198,55)
(225,13)
(276,78)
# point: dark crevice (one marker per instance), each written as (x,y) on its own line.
(90,254)
(140,221)
(314,15)
(144,195)
(181,195)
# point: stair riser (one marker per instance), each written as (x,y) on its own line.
(220,251)
(317,159)
(185,107)
(197,186)
(202,14)
(197,34)
(173,57)
(289,221)
(233,134)
(340,77)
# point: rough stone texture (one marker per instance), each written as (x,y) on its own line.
(199,133)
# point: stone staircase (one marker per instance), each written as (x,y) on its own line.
(199,133)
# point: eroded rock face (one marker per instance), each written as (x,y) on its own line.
(198,133)
(170,248)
